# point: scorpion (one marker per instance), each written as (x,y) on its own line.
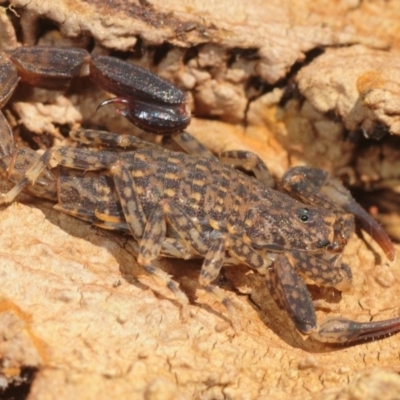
(189,205)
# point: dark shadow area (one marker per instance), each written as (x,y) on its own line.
(19,388)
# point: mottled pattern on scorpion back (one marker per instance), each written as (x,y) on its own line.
(225,199)
(210,192)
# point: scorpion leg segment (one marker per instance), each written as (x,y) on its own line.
(68,157)
(6,139)
(192,146)
(151,103)
(153,236)
(213,261)
(8,79)
(17,161)
(246,254)
(292,294)
(131,205)
(45,186)
(315,186)
(112,140)
(28,179)
(176,248)
(150,248)
(249,162)
(126,79)
(210,270)
(322,268)
(49,67)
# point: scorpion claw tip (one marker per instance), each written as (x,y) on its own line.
(373,228)
(119,100)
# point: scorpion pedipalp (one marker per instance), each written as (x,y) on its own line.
(150,116)
(343,330)
(291,293)
(151,103)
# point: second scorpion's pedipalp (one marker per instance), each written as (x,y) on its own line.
(122,78)
(152,117)
(49,67)
(150,102)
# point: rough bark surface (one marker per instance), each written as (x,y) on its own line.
(78,312)
(360,85)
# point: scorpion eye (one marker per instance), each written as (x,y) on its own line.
(304,214)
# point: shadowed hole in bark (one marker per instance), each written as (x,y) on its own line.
(19,389)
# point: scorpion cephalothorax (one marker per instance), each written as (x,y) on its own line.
(187,206)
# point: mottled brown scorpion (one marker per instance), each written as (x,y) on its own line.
(186,206)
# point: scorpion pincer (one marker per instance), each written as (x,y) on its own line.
(180,205)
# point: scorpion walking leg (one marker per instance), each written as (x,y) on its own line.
(210,270)
(113,140)
(150,248)
(212,249)
(149,233)
(239,158)
(6,138)
(69,157)
(214,260)
(192,146)
(324,269)
(250,162)
(292,294)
